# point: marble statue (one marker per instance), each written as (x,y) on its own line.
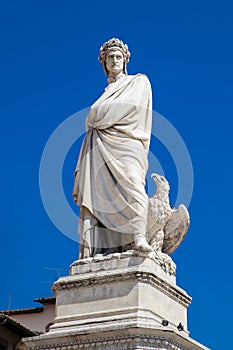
(115,213)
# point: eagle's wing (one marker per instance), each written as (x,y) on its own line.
(175,230)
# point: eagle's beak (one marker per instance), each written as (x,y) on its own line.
(154,176)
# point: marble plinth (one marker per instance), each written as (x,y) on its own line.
(122,301)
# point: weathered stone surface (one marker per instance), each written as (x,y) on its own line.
(124,260)
(124,339)
(118,302)
(130,292)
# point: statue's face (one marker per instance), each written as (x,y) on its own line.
(114,62)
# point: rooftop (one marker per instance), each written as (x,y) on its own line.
(44,300)
(15,327)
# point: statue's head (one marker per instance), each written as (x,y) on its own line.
(111,46)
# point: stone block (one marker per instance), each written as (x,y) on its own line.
(118,302)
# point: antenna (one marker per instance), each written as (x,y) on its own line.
(58,269)
(9,304)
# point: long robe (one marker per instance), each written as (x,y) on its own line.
(110,174)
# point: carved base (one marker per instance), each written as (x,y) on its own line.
(123,301)
(140,339)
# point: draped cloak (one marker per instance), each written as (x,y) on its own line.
(110,174)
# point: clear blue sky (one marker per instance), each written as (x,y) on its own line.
(49,70)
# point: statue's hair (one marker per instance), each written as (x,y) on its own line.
(117,44)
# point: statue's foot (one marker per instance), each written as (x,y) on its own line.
(141,243)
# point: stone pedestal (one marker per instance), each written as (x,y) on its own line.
(122,301)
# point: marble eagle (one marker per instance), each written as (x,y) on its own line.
(166,226)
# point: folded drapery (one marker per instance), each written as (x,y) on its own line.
(112,165)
